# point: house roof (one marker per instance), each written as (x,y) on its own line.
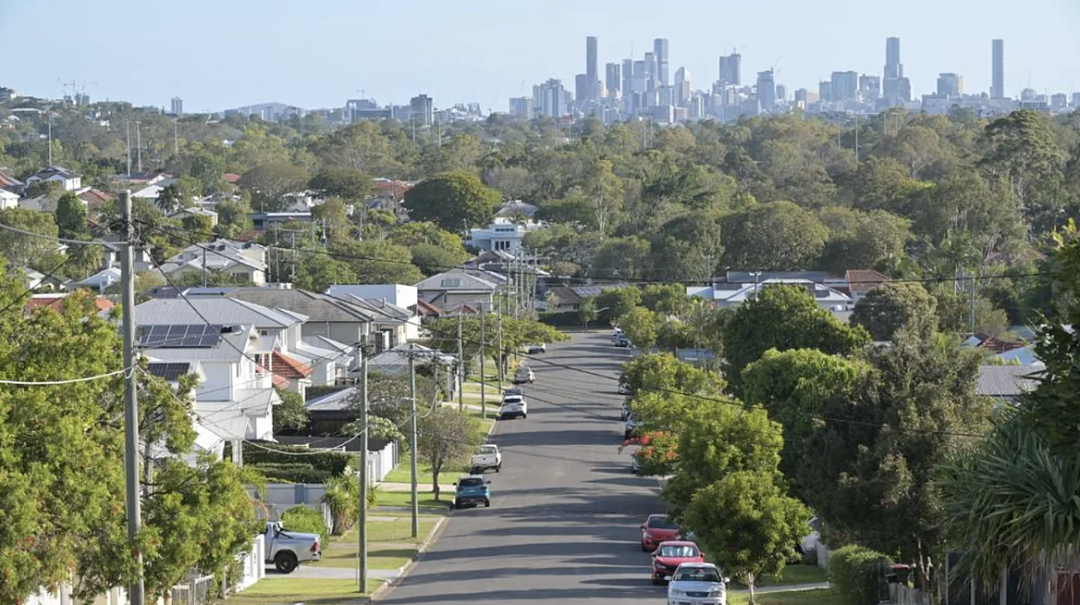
(566,295)
(234,421)
(287,367)
(316,307)
(7,180)
(94,197)
(226,350)
(1006,381)
(517,207)
(230,177)
(384,311)
(864,280)
(227,311)
(457,281)
(423,307)
(52,171)
(168,371)
(393,360)
(742,292)
(747,277)
(56,302)
(331,402)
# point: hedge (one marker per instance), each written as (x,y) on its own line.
(561,319)
(298,474)
(333,463)
(302,519)
(856,574)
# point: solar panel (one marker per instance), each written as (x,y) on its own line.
(169,371)
(178,336)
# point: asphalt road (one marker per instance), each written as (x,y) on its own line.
(565,511)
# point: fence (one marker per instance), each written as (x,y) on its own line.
(195,592)
(900,594)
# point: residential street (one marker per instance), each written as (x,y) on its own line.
(562,527)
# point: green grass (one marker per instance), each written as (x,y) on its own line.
(286,590)
(797,574)
(390,544)
(404,499)
(402,473)
(821,596)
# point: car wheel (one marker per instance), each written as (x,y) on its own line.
(487,503)
(657,581)
(286,562)
(452,505)
(643,547)
(524,415)
(498,469)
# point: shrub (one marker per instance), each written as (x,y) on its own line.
(302,519)
(856,574)
(292,472)
(342,496)
(275,453)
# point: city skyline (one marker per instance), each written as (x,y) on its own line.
(513,52)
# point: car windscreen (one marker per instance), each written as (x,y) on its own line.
(471,483)
(697,574)
(661,523)
(512,401)
(679,552)
(487,449)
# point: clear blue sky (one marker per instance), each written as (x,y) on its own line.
(217,54)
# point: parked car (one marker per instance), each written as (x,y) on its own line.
(514,391)
(524,374)
(624,411)
(657,528)
(697,584)
(288,549)
(624,389)
(472,490)
(487,456)
(513,406)
(622,341)
(536,349)
(670,555)
(631,426)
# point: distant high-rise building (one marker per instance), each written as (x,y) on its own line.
(1059,101)
(950,85)
(682,87)
(582,89)
(869,88)
(845,86)
(893,68)
(1076,100)
(613,79)
(650,65)
(549,99)
(660,49)
(522,108)
(781,93)
(896,88)
(422,110)
(730,69)
(177,106)
(825,91)
(766,90)
(592,68)
(997,86)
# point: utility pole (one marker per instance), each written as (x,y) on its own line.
(501,352)
(361,528)
(50,138)
(972,280)
(131,403)
(127,126)
(203,266)
(461,368)
(415,453)
(483,383)
(176,137)
(138,144)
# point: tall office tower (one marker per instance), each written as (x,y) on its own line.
(801,95)
(592,67)
(893,68)
(682,87)
(997,87)
(781,93)
(845,86)
(177,106)
(521,108)
(895,87)
(660,49)
(582,89)
(549,99)
(730,69)
(766,90)
(613,80)
(950,85)
(627,88)
(825,91)
(650,65)
(422,110)
(869,88)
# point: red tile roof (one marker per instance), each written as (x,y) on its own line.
(9,181)
(93,197)
(287,367)
(231,177)
(864,280)
(56,302)
(423,307)
(996,345)
(280,382)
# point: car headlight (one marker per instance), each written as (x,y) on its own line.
(678,593)
(716,593)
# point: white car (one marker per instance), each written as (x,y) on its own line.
(524,374)
(809,544)
(697,584)
(624,412)
(487,456)
(513,406)
(624,389)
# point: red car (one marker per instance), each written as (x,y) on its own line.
(670,555)
(656,529)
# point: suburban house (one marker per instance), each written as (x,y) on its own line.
(235,396)
(242,262)
(8,199)
(205,439)
(458,287)
(93,199)
(11,184)
(328,318)
(726,295)
(67,179)
(56,302)
(861,281)
(196,211)
(394,307)
(261,221)
(110,254)
(502,234)
(1006,383)
(427,311)
(100,281)
(296,365)
(36,280)
(395,363)
(516,209)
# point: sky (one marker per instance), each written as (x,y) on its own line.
(219,54)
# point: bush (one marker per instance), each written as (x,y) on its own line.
(856,574)
(272,453)
(342,496)
(302,519)
(563,319)
(292,472)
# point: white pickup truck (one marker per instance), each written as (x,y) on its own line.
(287,549)
(486,457)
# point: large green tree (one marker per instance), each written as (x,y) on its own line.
(346,183)
(376,262)
(269,183)
(895,306)
(778,236)
(452,200)
(71,216)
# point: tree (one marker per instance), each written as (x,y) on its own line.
(432,259)
(778,236)
(18,248)
(689,247)
(334,216)
(664,374)
(290,413)
(71,216)
(748,525)
(621,258)
(782,318)
(895,306)
(605,193)
(446,438)
(517,333)
(232,218)
(208,169)
(620,301)
(377,262)
(862,240)
(666,299)
(588,311)
(342,182)
(1020,148)
(269,183)
(452,200)
(641,327)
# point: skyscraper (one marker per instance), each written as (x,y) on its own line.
(177,106)
(549,99)
(521,108)
(997,87)
(660,49)
(895,87)
(582,88)
(650,65)
(730,69)
(422,110)
(869,88)
(950,85)
(682,87)
(766,90)
(592,71)
(613,79)
(893,68)
(845,86)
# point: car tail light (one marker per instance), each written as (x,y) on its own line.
(315,547)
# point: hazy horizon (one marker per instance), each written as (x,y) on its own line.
(217,57)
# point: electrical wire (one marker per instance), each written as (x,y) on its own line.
(30,383)
(61,239)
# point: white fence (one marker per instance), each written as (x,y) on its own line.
(900,594)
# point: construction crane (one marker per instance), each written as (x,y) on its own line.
(363,92)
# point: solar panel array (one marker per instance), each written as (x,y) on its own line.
(178,336)
(168,371)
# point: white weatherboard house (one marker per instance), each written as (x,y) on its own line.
(732,295)
(67,179)
(242,261)
(393,307)
(458,287)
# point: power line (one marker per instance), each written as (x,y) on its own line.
(30,383)
(61,239)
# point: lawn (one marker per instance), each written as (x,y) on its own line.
(821,596)
(390,544)
(286,590)
(797,574)
(404,499)
(402,473)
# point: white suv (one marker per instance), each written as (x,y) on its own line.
(513,406)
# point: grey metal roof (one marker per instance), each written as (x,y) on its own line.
(456,280)
(331,402)
(316,307)
(383,310)
(228,311)
(1006,381)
